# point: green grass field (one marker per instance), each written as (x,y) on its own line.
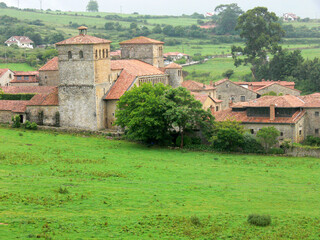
(60,186)
(17,66)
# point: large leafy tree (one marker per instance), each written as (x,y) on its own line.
(268,137)
(262,33)
(185,112)
(227,18)
(141,110)
(93,6)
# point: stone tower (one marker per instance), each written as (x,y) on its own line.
(175,74)
(85,77)
(144,49)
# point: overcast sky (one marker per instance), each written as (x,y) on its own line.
(303,8)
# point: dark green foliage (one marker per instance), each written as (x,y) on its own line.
(195,220)
(259,220)
(228,73)
(16,121)
(30,125)
(251,144)
(227,18)
(276,151)
(63,190)
(312,141)
(228,140)
(268,137)
(262,33)
(17,97)
(186,141)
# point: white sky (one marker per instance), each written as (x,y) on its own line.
(303,8)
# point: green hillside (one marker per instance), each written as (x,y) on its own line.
(59,186)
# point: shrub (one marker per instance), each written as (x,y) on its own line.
(228,140)
(16,121)
(251,145)
(63,190)
(276,151)
(259,220)
(268,136)
(30,125)
(228,73)
(186,141)
(312,141)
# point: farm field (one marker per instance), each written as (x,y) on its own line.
(62,186)
(17,66)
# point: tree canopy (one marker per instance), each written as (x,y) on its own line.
(262,33)
(152,113)
(227,18)
(268,136)
(93,6)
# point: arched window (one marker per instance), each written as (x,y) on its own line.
(81,54)
(69,55)
(96,54)
(103,53)
(100,53)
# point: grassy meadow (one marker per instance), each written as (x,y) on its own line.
(17,66)
(61,186)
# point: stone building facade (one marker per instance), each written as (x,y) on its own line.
(49,73)
(6,75)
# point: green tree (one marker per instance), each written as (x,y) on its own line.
(262,33)
(133,26)
(227,18)
(141,110)
(93,6)
(157,29)
(184,112)
(3,5)
(268,137)
(109,26)
(228,140)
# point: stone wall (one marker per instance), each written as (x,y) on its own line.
(154,79)
(5,116)
(49,78)
(6,78)
(16,84)
(228,91)
(175,77)
(277,88)
(111,106)
(49,114)
(312,122)
(303,152)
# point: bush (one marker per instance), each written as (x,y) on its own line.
(30,125)
(16,121)
(228,73)
(259,220)
(186,141)
(312,141)
(195,220)
(251,145)
(228,140)
(276,151)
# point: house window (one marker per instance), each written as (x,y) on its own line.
(96,54)
(69,55)
(81,54)
(316,131)
(19,78)
(26,77)
(252,131)
(281,134)
(112,114)
(219,97)
(300,132)
(243,98)
(103,53)
(10,76)
(316,114)
(217,108)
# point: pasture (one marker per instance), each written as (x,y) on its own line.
(17,66)
(62,186)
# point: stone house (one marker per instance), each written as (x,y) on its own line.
(208,102)
(49,73)
(230,92)
(6,75)
(20,41)
(21,78)
(294,116)
(174,56)
(41,108)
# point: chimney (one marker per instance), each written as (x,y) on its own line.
(272,112)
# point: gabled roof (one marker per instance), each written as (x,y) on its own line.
(130,70)
(28,73)
(4,70)
(228,114)
(311,101)
(196,86)
(276,83)
(256,85)
(51,65)
(286,101)
(203,97)
(220,81)
(235,83)
(83,39)
(21,39)
(141,40)
(173,66)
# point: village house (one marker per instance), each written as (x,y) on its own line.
(294,116)
(287,17)
(174,56)
(6,75)
(20,41)
(49,73)
(21,78)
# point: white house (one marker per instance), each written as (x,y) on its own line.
(6,75)
(290,17)
(20,41)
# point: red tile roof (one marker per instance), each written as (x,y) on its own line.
(196,86)
(286,101)
(311,101)
(34,80)
(51,65)
(131,69)
(83,39)
(200,97)
(283,85)
(29,73)
(228,114)
(21,39)
(256,85)
(173,66)
(220,81)
(141,40)
(3,71)
(28,89)
(13,106)
(115,53)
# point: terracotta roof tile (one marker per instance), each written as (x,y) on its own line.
(200,97)
(141,40)
(28,89)
(131,69)
(13,106)
(28,73)
(286,101)
(173,66)
(276,83)
(174,54)
(228,114)
(220,81)
(3,71)
(196,86)
(51,65)
(256,85)
(22,39)
(83,39)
